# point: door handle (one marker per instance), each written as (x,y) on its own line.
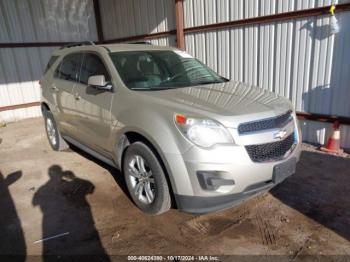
(77,97)
(54,88)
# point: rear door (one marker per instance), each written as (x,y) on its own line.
(94,106)
(65,77)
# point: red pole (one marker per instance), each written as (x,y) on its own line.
(179,14)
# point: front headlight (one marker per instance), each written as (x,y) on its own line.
(203,132)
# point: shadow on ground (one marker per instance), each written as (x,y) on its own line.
(115,173)
(321,189)
(68,226)
(12,237)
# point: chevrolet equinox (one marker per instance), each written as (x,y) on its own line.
(181,134)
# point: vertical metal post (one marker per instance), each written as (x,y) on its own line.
(98,21)
(179,14)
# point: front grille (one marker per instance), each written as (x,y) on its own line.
(265,124)
(270,151)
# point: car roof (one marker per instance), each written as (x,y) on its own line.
(135,47)
(111,48)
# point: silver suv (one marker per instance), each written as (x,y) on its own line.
(181,134)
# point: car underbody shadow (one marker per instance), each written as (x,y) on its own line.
(116,174)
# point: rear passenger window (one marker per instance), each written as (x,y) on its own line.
(92,66)
(50,63)
(69,68)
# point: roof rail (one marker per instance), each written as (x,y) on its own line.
(77,44)
(141,42)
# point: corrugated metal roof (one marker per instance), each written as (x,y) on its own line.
(46,21)
(125,18)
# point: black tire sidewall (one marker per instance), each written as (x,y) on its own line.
(161,185)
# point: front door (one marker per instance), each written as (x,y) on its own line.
(64,79)
(93,106)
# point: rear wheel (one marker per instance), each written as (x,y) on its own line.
(146,180)
(53,135)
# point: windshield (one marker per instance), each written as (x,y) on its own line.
(154,70)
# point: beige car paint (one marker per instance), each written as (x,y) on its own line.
(101,120)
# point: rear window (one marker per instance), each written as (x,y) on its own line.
(50,63)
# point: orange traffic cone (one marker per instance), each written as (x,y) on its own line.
(333,143)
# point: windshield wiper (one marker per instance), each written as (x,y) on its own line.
(154,88)
(207,82)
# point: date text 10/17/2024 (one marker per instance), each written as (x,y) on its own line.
(173,258)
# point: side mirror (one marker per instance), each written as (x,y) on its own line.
(99,82)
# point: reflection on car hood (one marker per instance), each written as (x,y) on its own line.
(225,101)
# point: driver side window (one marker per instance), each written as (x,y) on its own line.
(92,65)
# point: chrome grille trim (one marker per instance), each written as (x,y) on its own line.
(265,124)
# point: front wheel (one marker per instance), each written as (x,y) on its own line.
(145,179)
(53,135)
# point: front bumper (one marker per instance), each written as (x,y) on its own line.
(203,205)
(200,205)
(228,163)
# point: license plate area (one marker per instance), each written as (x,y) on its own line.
(283,170)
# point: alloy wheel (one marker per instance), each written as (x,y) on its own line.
(51,131)
(142,180)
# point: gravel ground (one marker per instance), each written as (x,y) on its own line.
(45,193)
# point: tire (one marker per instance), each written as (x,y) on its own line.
(142,181)
(56,141)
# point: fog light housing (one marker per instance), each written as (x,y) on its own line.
(211,180)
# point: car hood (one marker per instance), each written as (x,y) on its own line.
(230,103)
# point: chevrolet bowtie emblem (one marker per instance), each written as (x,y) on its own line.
(280,134)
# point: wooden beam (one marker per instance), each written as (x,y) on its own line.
(13,107)
(268,19)
(323,118)
(179,14)
(32,44)
(98,21)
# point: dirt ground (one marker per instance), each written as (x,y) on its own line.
(45,193)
